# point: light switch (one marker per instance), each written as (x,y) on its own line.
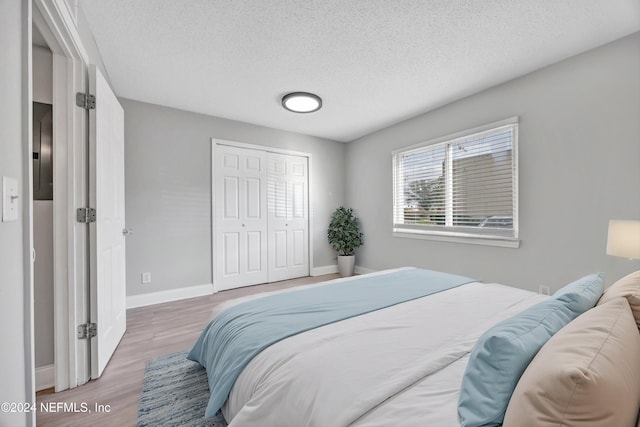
(10,198)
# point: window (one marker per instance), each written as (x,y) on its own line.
(462,187)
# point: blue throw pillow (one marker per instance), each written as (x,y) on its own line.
(582,294)
(503,352)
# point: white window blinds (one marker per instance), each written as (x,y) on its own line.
(461,185)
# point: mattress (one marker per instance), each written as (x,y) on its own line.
(400,364)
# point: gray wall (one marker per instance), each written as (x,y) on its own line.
(42,75)
(15,360)
(168,191)
(579,144)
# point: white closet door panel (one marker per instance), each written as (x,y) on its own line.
(298,244)
(280,249)
(278,198)
(241,220)
(298,200)
(231,254)
(277,165)
(254,199)
(255,261)
(288,222)
(231,197)
(299,167)
(231,161)
(255,162)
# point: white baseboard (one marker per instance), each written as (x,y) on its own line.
(142,300)
(364,270)
(45,377)
(330,269)
(159,297)
(326,269)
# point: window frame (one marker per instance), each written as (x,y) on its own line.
(461,235)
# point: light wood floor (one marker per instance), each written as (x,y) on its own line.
(151,331)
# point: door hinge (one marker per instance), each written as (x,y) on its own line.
(87,331)
(86,101)
(86,215)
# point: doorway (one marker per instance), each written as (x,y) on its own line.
(42,167)
(88,249)
(54,32)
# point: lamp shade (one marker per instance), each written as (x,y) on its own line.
(623,239)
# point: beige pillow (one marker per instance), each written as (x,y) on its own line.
(628,287)
(586,375)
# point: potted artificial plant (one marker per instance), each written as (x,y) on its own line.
(345,236)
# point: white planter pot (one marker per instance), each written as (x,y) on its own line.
(346,265)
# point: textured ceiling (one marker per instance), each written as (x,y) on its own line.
(373,62)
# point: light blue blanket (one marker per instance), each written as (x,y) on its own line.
(240,332)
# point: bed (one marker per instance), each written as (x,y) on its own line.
(448,353)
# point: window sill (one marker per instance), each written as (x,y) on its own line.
(504,242)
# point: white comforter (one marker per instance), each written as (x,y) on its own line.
(402,365)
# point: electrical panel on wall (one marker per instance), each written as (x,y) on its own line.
(42,151)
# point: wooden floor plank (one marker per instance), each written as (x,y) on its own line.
(152,331)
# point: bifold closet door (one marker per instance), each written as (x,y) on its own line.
(241,217)
(288,216)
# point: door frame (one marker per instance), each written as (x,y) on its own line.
(57,23)
(270,149)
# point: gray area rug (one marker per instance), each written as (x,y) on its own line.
(175,392)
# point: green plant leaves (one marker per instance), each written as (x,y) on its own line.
(344,231)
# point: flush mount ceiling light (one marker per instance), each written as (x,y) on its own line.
(301,102)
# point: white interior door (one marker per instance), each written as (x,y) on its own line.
(241,223)
(288,222)
(107,241)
